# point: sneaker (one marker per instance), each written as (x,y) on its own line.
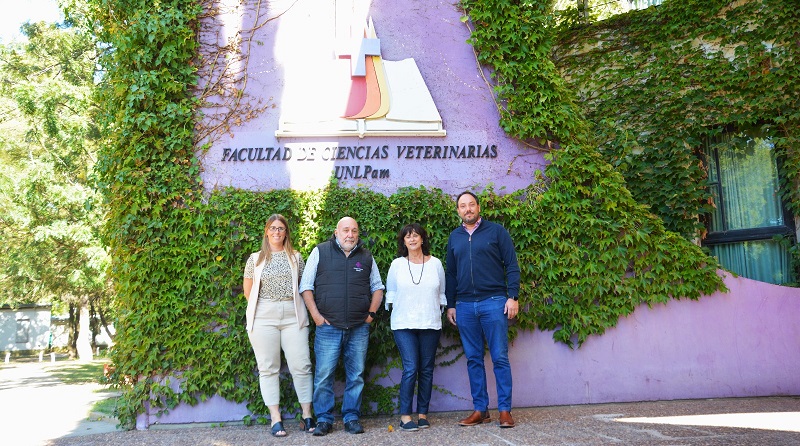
(353,427)
(411,426)
(323,428)
(423,423)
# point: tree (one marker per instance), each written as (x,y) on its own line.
(569,13)
(49,213)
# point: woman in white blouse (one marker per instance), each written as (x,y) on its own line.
(277,319)
(415,292)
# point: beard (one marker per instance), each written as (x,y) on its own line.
(348,245)
(470,220)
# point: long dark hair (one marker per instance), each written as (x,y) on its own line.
(402,251)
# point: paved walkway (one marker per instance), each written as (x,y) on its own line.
(35,409)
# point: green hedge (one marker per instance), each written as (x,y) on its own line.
(589,252)
(655,83)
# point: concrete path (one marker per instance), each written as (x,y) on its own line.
(718,422)
(36,409)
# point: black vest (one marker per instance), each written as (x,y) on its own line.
(341,287)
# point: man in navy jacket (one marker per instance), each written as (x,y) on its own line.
(482,289)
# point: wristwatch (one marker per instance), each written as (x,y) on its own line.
(372,314)
(513,297)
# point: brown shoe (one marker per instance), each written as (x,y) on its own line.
(477,417)
(505,419)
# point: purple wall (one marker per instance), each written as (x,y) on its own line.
(742,343)
(431,33)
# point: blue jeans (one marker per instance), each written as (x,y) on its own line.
(476,321)
(418,353)
(330,343)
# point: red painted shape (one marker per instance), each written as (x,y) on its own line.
(357,96)
(372,101)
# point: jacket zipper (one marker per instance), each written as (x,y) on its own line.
(347,258)
(346,291)
(471,275)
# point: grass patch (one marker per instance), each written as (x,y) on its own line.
(74,372)
(106,406)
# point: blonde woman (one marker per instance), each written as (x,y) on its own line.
(277,320)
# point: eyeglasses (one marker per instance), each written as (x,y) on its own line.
(277,229)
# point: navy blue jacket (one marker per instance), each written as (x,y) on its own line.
(481,265)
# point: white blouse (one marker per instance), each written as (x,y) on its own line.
(417,296)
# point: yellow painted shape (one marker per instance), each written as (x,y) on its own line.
(380,74)
(383,87)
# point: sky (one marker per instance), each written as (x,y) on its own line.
(16,12)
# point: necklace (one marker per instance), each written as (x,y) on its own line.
(416,282)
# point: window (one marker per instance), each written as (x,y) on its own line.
(743,180)
(23,330)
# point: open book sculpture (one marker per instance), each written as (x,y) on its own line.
(360,94)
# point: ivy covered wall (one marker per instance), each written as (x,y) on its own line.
(656,83)
(590,252)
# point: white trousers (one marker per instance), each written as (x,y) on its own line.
(275,329)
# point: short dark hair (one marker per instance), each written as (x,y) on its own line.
(466,192)
(402,250)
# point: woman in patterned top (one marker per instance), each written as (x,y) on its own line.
(277,319)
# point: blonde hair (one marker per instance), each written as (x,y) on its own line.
(266,253)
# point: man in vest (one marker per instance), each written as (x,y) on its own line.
(342,288)
(482,286)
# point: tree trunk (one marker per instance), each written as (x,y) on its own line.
(104,323)
(583,8)
(83,344)
(72,326)
(94,327)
